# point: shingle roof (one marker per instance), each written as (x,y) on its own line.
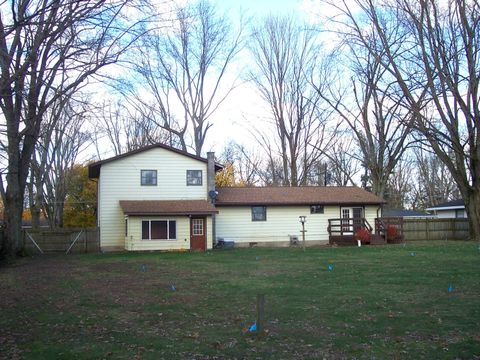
(167,207)
(304,195)
(403,213)
(449,204)
(94,168)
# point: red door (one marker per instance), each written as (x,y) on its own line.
(198,238)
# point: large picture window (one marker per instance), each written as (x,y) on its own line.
(259,213)
(194,177)
(148,177)
(159,230)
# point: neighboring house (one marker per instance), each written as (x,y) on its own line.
(450,209)
(406,214)
(160,198)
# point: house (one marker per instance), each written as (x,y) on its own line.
(270,215)
(405,214)
(155,198)
(450,209)
(161,198)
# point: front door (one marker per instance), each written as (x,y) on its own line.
(198,230)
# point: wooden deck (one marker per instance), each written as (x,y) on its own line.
(387,231)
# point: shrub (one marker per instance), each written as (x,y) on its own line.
(363,235)
(392,231)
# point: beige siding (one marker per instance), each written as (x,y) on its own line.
(371,214)
(134,240)
(120,180)
(209,233)
(235,223)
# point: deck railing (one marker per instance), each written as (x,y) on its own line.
(391,228)
(347,226)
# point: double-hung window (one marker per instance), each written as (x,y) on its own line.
(159,230)
(148,177)
(194,177)
(259,213)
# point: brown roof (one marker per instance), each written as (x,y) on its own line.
(304,195)
(94,168)
(167,207)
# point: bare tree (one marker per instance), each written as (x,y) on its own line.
(187,65)
(439,43)
(247,164)
(47,50)
(343,163)
(68,139)
(372,106)
(285,56)
(124,128)
(400,186)
(434,183)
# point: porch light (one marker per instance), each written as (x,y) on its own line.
(302,219)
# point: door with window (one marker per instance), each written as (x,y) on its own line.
(198,234)
(351,219)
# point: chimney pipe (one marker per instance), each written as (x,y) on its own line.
(211,190)
(210,173)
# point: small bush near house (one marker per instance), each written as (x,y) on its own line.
(363,235)
(392,231)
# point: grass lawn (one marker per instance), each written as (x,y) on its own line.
(415,301)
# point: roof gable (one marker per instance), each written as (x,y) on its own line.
(94,168)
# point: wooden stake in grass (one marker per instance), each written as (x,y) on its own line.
(260,313)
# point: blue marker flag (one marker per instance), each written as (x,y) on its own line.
(450,288)
(253,327)
(173,288)
(330,267)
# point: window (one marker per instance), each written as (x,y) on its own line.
(316,209)
(148,177)
(194,177)
(259,213)
(126,226)
(197,226)
(460,213)
(159,230)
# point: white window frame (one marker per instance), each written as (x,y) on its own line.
(197,180)
(264,213)
(142,178)
(150,230)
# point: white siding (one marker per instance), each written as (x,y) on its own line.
(120,180)
(235,223)
(444,214)
(134,240)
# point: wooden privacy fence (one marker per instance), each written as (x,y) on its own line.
(61,240)
(435,229)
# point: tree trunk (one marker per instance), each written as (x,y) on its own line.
(472,206)
(13,221)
